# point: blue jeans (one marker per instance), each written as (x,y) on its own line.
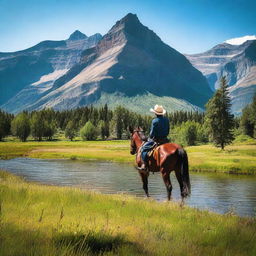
(145,149)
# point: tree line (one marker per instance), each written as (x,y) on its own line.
(216,124)
(88,122)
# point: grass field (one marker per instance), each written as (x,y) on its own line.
(239,158)
(46,220)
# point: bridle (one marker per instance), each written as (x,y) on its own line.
(134,148)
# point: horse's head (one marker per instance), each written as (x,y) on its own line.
(137,138)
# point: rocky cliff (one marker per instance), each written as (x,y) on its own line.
(238,63)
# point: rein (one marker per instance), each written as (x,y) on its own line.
(142,140)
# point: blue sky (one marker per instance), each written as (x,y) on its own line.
(190,26)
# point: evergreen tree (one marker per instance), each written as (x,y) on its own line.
(219,120)
(246,123)
(118,121)
(248,119)
(103,128)
(5,124)
(70,131)
(49,129)
(253,115)
(20,126)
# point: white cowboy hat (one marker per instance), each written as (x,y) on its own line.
(158,110)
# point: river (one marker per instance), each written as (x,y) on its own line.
(221,193)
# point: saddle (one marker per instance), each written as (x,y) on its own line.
(157,143)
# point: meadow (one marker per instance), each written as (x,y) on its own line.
(237,158)
(47,220)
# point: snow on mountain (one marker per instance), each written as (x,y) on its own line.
(240,40)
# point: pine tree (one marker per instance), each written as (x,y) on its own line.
(219,119)
(5,124)
(118,120)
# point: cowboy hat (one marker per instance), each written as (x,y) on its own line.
(158,110)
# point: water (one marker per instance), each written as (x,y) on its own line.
(219,193)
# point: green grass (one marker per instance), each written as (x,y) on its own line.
(239,158)
(47,220)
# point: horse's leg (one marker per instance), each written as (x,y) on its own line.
(144,178)
(167,182)
(179,178)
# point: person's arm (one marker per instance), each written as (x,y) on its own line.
(152,133)
(168,125)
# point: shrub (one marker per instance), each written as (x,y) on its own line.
(70,131)
(89,131)
(188,133)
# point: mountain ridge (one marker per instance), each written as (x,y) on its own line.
(237,63)
(21,70)
(127,56)
(130,60)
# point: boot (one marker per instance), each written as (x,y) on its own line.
(143,167)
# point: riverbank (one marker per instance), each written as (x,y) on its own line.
(238,158)
(48,220)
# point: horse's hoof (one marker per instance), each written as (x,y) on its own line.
(182,203)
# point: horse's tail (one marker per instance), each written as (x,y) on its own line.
(183,158)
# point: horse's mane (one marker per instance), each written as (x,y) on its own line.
(141,134)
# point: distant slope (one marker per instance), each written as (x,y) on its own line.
(141,103)
(238,63)
(26,75)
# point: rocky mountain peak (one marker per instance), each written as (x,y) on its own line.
(130,18)
(130,60)
(129,24)
(77,35)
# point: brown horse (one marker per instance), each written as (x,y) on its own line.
(166,158)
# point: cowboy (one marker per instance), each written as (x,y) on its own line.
(158,134)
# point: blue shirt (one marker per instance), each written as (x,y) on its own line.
(159,128)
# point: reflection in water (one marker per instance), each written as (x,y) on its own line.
(220,193)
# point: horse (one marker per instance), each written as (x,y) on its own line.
(166,158)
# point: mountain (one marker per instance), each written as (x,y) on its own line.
(26,75)
(235,61)
(130,65)
(77,35)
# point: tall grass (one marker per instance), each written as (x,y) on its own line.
(47,220)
